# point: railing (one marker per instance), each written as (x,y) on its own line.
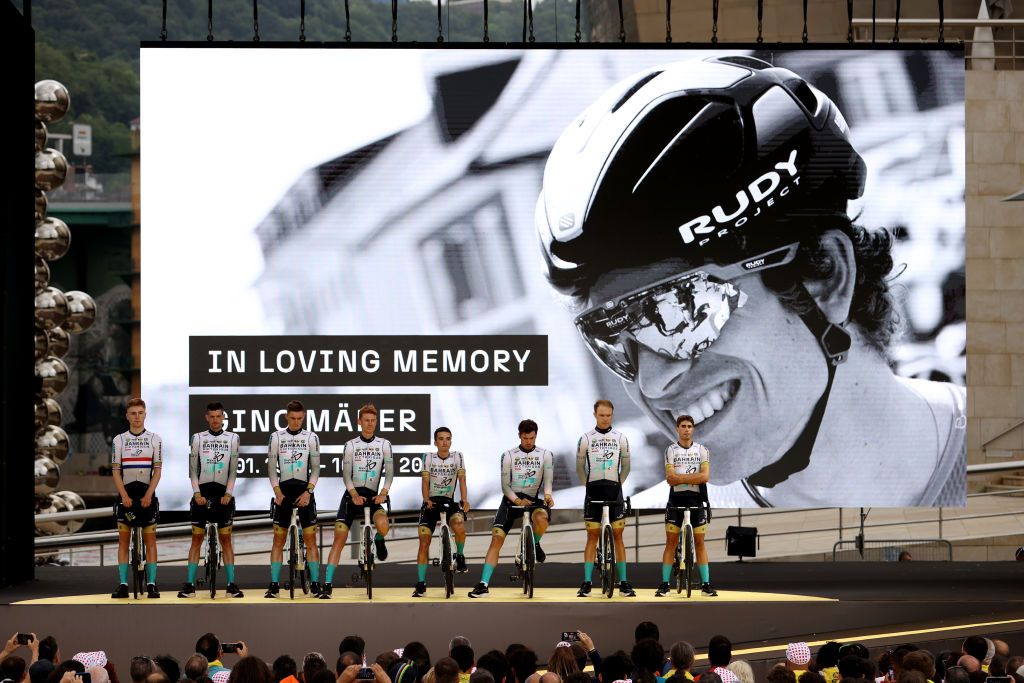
(985,51)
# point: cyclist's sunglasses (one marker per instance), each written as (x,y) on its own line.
(678,317)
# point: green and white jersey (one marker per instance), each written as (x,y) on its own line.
(602,455)
(213,460)
(528,472)
(686,461)
(136,455)
(293,457)
(365,462)
(443,473)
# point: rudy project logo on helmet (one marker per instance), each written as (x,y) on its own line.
(758,191)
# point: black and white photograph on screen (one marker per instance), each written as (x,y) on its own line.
(771,242)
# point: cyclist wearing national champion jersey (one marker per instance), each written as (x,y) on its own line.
(687,467)
(602,465)
(212,466)
(136,460)
(293,464)
(366,458)
(526,471)
(441,471)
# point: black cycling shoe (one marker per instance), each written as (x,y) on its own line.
(234,591)
(151,591)
(325,591)
(707,590)
(584,590)
(187,591)
(314,588)
(663,590)
(272,590)
(120,592)
(460,563)
(382,550)
(541,555)
(480,591)
(626,590)
(420,590)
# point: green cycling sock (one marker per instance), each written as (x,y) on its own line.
(330,573)
(705,573)
(588,571)
(460,548)
(421,573)
(314,571)
(621,566)
(230,568)
(275,571)
(192,572)
(122,572)
(151,572)
(666,572)
(486,576)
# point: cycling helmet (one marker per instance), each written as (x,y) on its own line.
(707,160)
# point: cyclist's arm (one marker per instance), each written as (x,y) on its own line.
(232,465)
(115,468)
(314,461)
(389,467)
(623,459)
(158,457)
(701,477)
(461,474)
(275,478)
(581,458)
(346,469)
(193,465)
(549,472)
(506,478)
(425,482)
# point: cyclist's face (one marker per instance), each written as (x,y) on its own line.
(136,418)
(749,391)
(295,419)
(215,418)
(603,417)
(368,423)
(685,431)
(443,441)
(528,440)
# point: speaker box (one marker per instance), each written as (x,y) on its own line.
(741,541)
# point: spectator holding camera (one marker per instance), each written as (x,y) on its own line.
(209,646)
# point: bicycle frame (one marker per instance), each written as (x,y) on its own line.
(685,560)
(137,554)
(446,558)
(526,556)
(211,542)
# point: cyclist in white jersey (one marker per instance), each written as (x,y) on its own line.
(136,459)
(526,472)
(687,469)
(212,467)
(367,458)
(293,464)
(602,465)
(441,472)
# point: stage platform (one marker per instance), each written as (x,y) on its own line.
(761,607)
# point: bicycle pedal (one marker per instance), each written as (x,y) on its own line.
(356,577)
(436,562)
(513,578)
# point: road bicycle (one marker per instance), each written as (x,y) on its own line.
(446,558)
(686,554)
(137,555)
(213,557)
(367,554)
(526,557)
(295,552)
(605,560)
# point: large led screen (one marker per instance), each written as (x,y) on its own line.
(769,242)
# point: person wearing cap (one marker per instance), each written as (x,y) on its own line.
(695,216)
(797,657)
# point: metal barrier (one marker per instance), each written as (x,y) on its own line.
(985,50)
(877,550)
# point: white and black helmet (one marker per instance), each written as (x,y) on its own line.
(693,160)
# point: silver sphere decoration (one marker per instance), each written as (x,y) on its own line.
(81,312)
(59,342)
(42,274)
(53,238)
(40,136)
(47,476)
(53,443)
(42,343)
(51,169)
(75,503)
(54,375)
(45,506)
(41,205)
(48,413)
(52,101)
(51,308)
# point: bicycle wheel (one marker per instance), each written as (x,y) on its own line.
(293,559)
(608,564)
(138,562)
(447,564)
(688,553)
(529,561)
(211,564)
(368,560)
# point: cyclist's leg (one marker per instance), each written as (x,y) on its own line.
(198,534)
(590,549)
(668,557)
(277,552)
(124,533)
(539,517)
(457,522)
(493,551)
(227,549)
(618,527)
(702,553)
(380,522)
(149,538)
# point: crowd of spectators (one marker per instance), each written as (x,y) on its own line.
(576,660)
